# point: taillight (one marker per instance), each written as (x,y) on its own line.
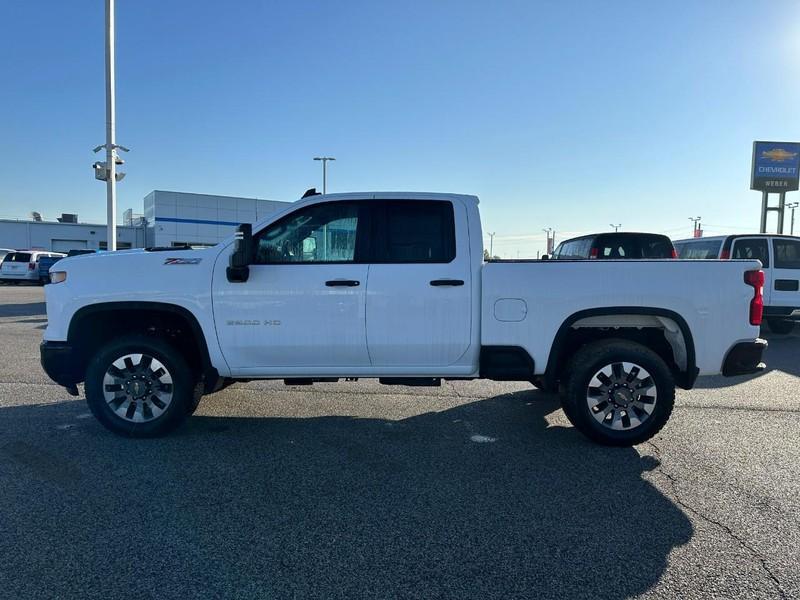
(755,279)
(31,266)
(674,253)
(725,255)
(594,252)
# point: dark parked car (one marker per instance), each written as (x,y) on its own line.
(621,245)
(46,262)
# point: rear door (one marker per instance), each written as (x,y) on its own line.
(756,247)
(419,290)
(785,272)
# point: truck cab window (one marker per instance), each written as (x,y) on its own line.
(315,234)
(418,232)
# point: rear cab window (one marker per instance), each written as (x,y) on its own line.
(647,246)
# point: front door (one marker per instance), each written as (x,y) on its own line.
(758,248)
(303,306)
(419,293)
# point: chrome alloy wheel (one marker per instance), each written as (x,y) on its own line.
(621,396)
(137,387)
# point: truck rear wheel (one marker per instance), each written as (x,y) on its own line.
(618,393)
(140,386)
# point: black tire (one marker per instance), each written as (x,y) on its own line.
(780,326)
(185,388)
(587,362)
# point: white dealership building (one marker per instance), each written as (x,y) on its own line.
(169,219)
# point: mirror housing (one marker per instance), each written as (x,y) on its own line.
(238,270)
(545,257)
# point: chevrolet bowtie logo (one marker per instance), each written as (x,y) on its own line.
(778,155)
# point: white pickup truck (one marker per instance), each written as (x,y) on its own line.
(393,286)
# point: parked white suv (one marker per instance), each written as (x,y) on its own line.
(780,260)
(23,265)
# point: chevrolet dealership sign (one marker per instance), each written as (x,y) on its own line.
(776,166)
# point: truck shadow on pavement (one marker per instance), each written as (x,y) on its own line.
(330,507)
(781,355)
(25,309)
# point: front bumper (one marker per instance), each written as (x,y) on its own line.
(745,358)
(61,363)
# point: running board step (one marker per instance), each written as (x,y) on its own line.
(309,380)
(414,381)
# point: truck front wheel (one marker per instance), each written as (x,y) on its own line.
(618,393)
(140,386)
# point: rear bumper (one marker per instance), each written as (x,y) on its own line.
(60,363)
(744,358)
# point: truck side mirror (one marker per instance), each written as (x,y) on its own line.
(545,257)
(238,270)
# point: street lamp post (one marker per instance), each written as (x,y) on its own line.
(792,205)
(696,225)
(324,160)
(491,244)
(616,227)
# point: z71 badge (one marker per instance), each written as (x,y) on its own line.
(182,261)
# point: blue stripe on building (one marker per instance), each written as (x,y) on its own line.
(196,221)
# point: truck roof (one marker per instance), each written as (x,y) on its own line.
(395,196)
(714,238)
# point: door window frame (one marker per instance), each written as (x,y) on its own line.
(361,253)
(380,232)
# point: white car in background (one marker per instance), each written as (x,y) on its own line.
(780,260)
(23,265)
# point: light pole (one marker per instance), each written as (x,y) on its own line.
(324,160)
(491,243)
(616,227)
(107,171)
(549,247)
(792,205)
(696,224)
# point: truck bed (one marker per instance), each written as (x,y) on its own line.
(525,303)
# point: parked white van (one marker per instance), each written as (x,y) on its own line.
(780,257)
(23,265)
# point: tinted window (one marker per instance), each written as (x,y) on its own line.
(417,231)
(575,249)
(18,257)
(315,234)
(752,248)
(699,250)
(634,246)
(787,253)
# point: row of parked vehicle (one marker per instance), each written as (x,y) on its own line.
(779,255)
(31,266)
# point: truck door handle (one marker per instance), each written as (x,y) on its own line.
(443,282)
(342,283)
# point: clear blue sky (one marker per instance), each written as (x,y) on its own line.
(571,115)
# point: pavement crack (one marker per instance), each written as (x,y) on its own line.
(738,539)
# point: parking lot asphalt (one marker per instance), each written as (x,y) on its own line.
(352,490)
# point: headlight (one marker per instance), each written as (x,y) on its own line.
(58,276)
